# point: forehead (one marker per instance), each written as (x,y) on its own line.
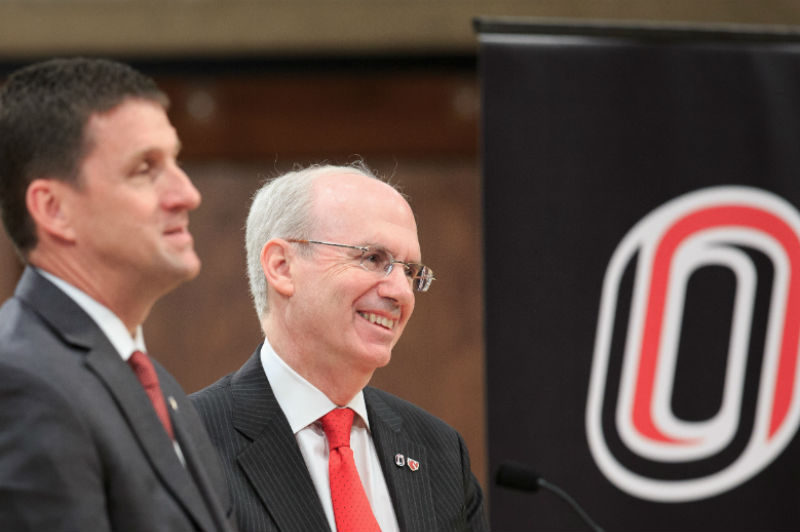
(354,208)
(132,126)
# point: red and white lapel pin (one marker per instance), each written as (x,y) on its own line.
(401,461)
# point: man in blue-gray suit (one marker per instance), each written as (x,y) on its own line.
(94,435)
(334,263)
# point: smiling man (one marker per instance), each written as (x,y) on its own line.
(334,263)
(94,435)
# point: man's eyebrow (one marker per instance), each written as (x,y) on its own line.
(381,247)
(148,151)
(374,246)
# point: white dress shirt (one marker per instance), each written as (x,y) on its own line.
(303,405)
(110,324)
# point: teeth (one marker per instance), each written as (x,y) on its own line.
(380,320)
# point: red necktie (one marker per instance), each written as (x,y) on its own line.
(146,373)
(351,507)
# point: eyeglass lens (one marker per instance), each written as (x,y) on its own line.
(378,260)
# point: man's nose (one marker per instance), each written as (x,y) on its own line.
(181,192)
(396,285)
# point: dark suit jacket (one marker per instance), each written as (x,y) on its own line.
(270,484)
(81,447)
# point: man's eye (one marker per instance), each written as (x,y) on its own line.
(375,260)
(143,167)
(373,257)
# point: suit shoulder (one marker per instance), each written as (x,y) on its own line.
(222,386)
(214,397)
(32,352)
(413,417)
(20,327)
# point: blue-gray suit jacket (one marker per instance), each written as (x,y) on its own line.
(270,484)
(81,447)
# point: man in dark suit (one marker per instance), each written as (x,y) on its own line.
(93,434)
(334,261)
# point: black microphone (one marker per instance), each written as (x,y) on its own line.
(519,477)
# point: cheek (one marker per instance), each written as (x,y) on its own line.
(399,330)
(408,310)
(325,303)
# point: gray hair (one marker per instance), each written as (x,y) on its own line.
(281,208)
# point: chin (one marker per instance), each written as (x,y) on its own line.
(382,359)
(180,272)
(194,271)
(188,264)
(370,359)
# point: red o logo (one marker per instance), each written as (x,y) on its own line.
(723,227)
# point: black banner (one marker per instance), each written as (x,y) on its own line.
(642,273)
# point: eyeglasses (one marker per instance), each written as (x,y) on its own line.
(377,259)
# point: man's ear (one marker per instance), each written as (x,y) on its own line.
(47,204)
(276,258)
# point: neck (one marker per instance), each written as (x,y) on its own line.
(339,384)
(126,298)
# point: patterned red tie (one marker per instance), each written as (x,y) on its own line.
(351,507)
(146,373)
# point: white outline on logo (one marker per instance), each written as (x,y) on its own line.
(694,230)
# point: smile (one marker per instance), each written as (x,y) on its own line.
(378,320)
(176,230)
(178,235)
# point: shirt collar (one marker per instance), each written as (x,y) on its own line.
(109,323)
(301,402)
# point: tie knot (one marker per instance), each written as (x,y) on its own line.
(337,424)
(143,368)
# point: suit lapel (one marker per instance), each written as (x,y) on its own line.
(144,422)
(197,468)
(272,461)
(410,489)
(79,330)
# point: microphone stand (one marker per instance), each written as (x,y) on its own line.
(519,477)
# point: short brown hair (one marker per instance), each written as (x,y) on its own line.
(44,109)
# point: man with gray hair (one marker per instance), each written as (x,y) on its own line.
(334,263)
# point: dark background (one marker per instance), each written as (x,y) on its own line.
(581,140)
